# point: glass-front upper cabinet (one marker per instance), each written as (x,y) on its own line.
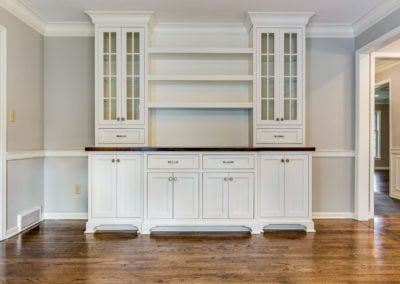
(279,88)
(121,86)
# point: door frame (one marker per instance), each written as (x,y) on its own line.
(364,158)
(3,132)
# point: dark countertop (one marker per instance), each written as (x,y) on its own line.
(205,149)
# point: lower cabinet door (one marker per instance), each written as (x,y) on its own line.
(103,186)
(129,181)
(272,186)
(296,186)
(215,195)
(241,188)
(186,195)
(159,195)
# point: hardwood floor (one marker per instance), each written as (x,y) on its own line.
(342,251)
(384,204)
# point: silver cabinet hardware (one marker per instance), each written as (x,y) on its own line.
(226,179)
(175,178)
(231,179)
(279,136)
(113,161)
(228,162)
(121,136)
(170,178)
(173,162)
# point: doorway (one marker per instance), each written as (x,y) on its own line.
(3,130)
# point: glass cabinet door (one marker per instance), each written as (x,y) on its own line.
(267,80)
(133,76)
(291,71)
(109,76)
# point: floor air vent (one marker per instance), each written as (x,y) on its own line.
(283,228)
(116,228)
(200,230)
(29,218)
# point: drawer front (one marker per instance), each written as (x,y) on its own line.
(277,136)
(172,161)
(228,162)
(128,136)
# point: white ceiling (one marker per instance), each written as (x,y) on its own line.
(214,11)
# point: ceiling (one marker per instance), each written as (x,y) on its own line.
(212,11)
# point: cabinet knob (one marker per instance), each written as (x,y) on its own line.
(231,179)
(287,160)
(277,119)
(282,119)
(113,161)
(175,178)
(282,160)
(226,179)
(118,160)
(118,119)
(170,178)
(122,118)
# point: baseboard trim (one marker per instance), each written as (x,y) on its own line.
(382,168)
(65,216)
(333,215)
(12,232)
(23,155)
(334,154)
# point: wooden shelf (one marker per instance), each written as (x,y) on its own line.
(199,50)
(216,105)
(200,77)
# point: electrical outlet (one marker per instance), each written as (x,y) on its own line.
(77,189)
(13,115)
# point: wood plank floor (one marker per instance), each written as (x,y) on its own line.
(342,251)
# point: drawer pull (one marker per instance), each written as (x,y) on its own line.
(173,162)
(170,178)
(279,136)
(231,179)
(228,162)
(120,136)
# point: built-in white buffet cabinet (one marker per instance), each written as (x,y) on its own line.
(199,126)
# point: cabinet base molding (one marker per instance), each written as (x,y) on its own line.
(92,226)
(306,223)
(198,230)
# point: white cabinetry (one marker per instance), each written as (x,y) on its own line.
(228,195)
(115,188)
(172,195)
(285,186)
(120,79)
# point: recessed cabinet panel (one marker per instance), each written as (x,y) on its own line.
(241,190)
(103,186)
(215,195)
(186,195)
(296,185)
(159,195)
(272,179)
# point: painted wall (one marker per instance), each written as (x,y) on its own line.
(25,95)
(383,26)
(330,121)
(68,93)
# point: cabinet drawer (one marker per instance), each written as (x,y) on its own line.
(172,161)
(277,136)
(228,162)
(128,136)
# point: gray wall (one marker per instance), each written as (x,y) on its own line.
(68,92)
(69,119)
(383,162)
(330,121)
(383,26)
(25,95)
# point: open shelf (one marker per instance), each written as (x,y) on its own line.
(200,77)
(172,105)
(199,50)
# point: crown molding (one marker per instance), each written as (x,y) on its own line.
(230,28)
(278,19)
(376,14)
(126,17)
(330,31)
(68,29)
(25,14)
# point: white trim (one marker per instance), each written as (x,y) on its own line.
(223,28)
(22,155)
(65,216)
(25,14)
(321,30)
(65,153)
(376,14)
(3,132)
(69,29)
(286,19)
(118,17)
(334,154)
(333,215)
(382,168)
(12,232)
